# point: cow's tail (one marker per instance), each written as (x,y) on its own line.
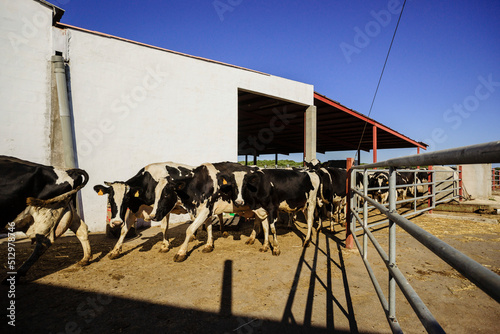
(46,202)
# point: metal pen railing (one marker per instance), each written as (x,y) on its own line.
(482,277)
(495,179)
(434,188)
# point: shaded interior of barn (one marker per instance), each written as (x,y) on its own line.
(267,125)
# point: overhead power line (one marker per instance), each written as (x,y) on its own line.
(380,78)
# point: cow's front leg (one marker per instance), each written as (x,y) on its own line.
(200,219)
(265,228)
(253,235)
(209,246)
(129,221)
(220,216)
(165,245)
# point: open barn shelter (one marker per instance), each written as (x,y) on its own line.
(327,126)
(78,98)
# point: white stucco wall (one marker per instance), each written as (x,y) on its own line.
(25,49)
(132,104)
(477,180)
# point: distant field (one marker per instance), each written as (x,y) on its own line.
(281,163)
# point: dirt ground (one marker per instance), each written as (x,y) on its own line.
(237,289)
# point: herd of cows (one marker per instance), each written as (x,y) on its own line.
(40,200)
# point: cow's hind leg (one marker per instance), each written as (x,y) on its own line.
(200,219)
(320,218)
(310,219)
(80,229)
(42,243)
(276,247)
(165,245)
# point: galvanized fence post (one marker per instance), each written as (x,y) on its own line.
(350,225)
(482,277)
(460,184)
(415,190)
(365,214)
(392,242)
(430,179)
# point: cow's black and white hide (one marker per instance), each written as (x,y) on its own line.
(211,189)
(332,194)
(39,200)
(136,197)
(380,180)
(267,191)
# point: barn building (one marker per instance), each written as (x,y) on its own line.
(78,98)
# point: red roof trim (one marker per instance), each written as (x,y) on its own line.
(66,26)
(367,119)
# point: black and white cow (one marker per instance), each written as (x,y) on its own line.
(267,191)
(331,194)
(359,186)
(380,180)
(138,194)
(212,189)
(39,201)
(415,181)
(417,178)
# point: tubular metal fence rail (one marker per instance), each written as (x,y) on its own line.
(439,186)
(482,277)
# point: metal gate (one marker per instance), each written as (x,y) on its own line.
(482,277)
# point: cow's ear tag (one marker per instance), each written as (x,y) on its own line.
(136,193)
(100,193)
(224,181)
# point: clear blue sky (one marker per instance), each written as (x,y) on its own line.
(442,80)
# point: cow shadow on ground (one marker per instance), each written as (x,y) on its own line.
(43,308)
(128,315)
(91,312)
(65,252)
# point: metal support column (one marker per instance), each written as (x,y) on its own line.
(310,134)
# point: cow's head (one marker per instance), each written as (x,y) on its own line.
(379,180)
(165,200)
(120,198)
(314,164)
(230,186)
(250,187)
